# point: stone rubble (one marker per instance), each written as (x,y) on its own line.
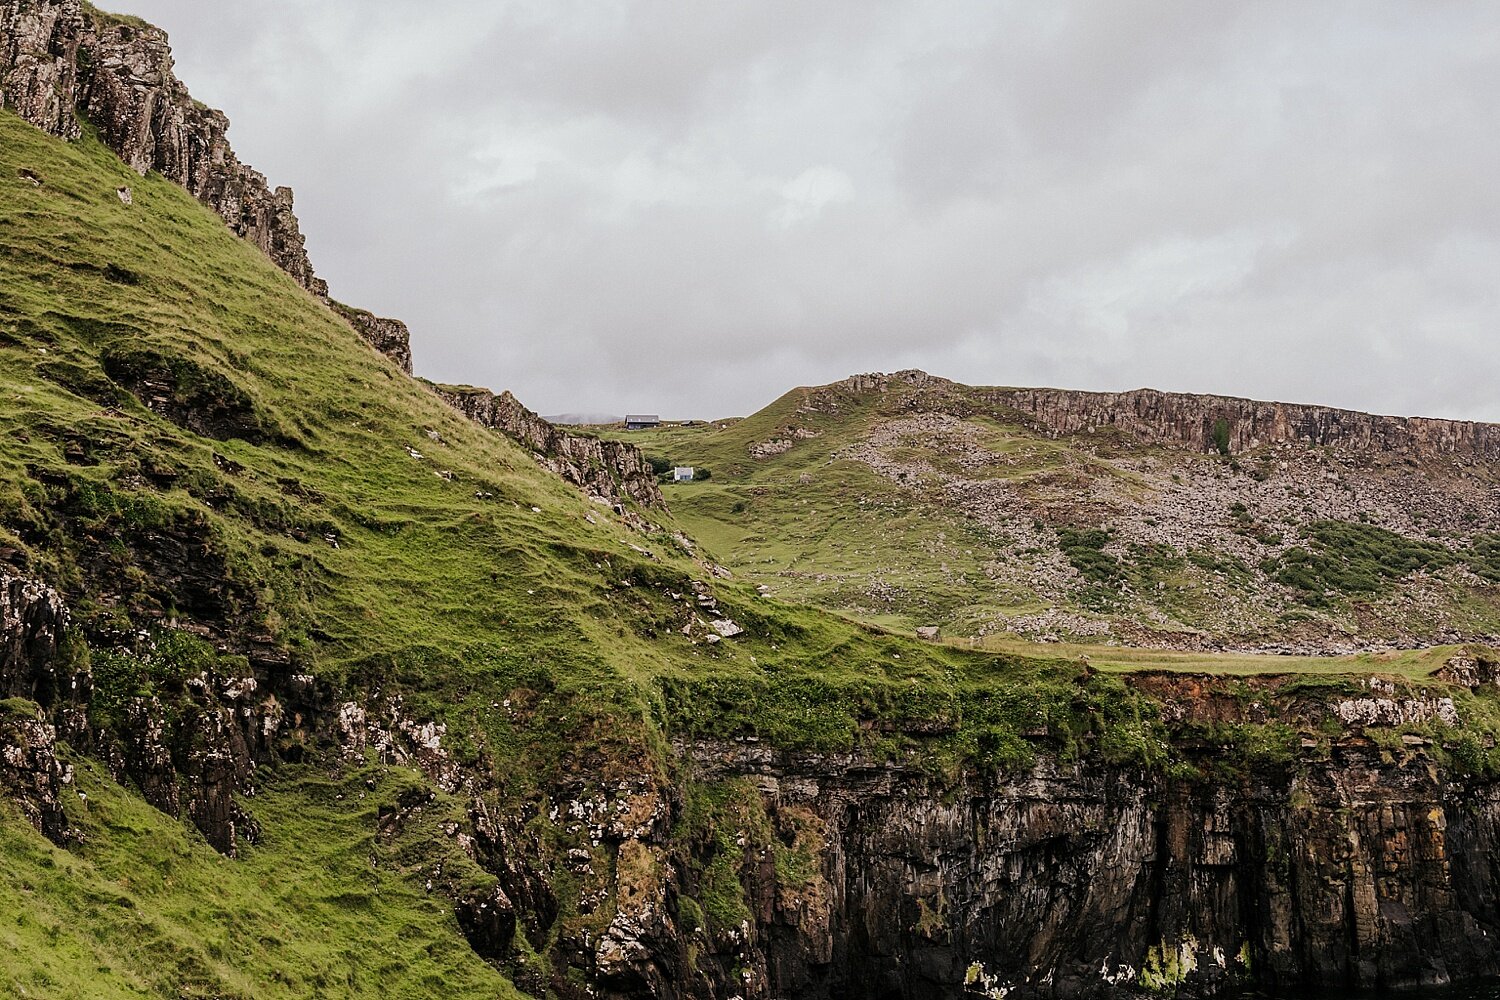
(1148,483)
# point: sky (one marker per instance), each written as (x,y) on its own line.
(689,208)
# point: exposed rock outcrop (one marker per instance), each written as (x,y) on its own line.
(488,920)
(1068,880)
(1200,422)
(388,336)
(614,470)
(31,776)
(1244,424)
(194,747)
(62,62)
(32,620)
(35,663)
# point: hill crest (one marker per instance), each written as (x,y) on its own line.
(1192,420)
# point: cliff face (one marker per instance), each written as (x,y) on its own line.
(388,336)
(610,469)
(61,60)
(1189,420)
(826,875)
(1079,880)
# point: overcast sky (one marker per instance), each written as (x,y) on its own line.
(691,207)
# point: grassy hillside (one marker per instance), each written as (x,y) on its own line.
(219,474)
(814,526)
(922,502)
(323,907)
(213,468)
(162,380)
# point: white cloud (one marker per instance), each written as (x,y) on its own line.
(804,197)
(691,208)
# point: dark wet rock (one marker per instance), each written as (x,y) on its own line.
(488,920)
(1077,880)
(31,776)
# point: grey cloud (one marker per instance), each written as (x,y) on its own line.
(690,208)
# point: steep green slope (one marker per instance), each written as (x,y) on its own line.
(361,701)
(437,698)
(303,473)
(266,439)
(224,480)
(325,906)
(909,501)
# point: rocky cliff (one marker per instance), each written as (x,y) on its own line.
(63,62)
(1245,424)
(738,869)
(388,336)
(1201,422)
(1071,880)
(610,469)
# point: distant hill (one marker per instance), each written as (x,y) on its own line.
(1143,518)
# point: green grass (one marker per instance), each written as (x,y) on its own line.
(820,529)
(322,907)
(1417,664)
(370,566)
(815,524)
(193,440)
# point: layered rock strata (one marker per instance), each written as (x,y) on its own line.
(1206,422)
(1199,422)
(1080,880)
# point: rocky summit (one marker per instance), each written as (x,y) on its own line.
(319,679)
